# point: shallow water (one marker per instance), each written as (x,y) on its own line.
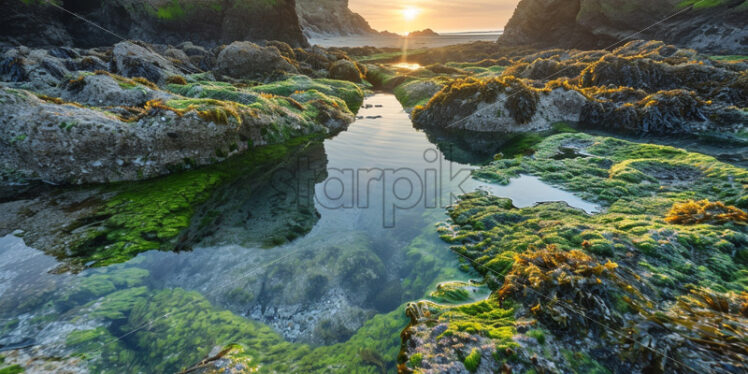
(373,195)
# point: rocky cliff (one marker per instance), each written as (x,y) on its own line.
(717,26)
(331,17)
(206,22)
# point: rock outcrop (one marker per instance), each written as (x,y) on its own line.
(248,60)
(136,111)
(206,22)
(421,33)
(709,26)
(330,17)
(642,87)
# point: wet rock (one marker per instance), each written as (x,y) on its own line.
(35,67)
(249,60)
(66,143)
(139,60)
(105,90)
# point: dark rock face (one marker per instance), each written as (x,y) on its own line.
(330,17)
(208,23)
(592,24)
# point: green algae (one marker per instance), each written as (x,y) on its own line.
(150,215)
(472,361)
(194,327)
(349,92)
(638,184)
(12,369)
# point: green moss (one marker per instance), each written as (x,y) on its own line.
(538,335)
(415,360)
(472,361)
(671,259)
(349,92)
(173,10)
(194,327)
(13,369)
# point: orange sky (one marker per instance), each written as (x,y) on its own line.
(440,15)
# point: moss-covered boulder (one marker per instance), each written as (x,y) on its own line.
(345,70)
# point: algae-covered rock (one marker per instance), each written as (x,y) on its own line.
(654,268)
(499,105)
(641,87)
(345,70)
(65,143)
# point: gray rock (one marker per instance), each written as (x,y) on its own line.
(249,60)
(103,90)
(69,144)
(138,60)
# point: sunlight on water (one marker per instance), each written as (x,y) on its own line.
(407,65)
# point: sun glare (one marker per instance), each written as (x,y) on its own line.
(410,13)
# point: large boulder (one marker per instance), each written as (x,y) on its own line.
(206,22)
(249,60)
(718,27)
(138,60)
(345,70)
(504,106)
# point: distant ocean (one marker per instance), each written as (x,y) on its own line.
(444,39)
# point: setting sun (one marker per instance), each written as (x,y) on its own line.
(410,13)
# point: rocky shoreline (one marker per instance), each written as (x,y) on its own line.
(136,111)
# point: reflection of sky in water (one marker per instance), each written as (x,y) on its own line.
(382,166)
(528,190)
